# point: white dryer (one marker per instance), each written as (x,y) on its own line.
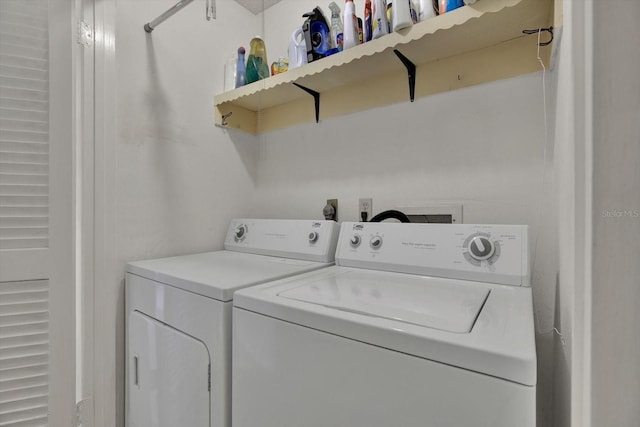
(417,325)
(178,312)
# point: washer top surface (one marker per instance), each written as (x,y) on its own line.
(489,331)
(451,306)
(455,294)
(219,274)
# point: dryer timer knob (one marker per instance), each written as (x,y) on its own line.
(240,232)
(313,237)
(355,240)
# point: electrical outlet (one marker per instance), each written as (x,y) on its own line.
(365,206)
(334,204)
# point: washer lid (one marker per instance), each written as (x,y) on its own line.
(446,306)
(500,342)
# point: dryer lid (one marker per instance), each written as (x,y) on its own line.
(450,307)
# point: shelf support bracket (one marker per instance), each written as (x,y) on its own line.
(316,99)
(411,71)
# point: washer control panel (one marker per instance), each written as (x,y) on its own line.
(299,239)
(487,253)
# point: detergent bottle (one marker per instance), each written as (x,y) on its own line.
(297,49)
(257,64)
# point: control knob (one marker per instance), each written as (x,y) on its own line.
(313,237)
(240,232)
(375,242)
(355,241)
(481,248)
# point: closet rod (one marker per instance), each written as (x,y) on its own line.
(150,26)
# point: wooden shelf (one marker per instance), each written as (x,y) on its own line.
(471,45)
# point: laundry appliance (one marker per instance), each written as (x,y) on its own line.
(427,325)
(178,313)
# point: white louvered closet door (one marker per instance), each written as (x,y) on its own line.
(36,214)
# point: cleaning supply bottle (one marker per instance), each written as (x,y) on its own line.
(390,16)
(368,24)
(241,72)
(297,49)
(350,25)
(336,26)
(414,11)
(257,64)
(379,21)
(426,10)
(401,14)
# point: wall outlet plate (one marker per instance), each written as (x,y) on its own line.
(365,205)
(334,203)
(442,213)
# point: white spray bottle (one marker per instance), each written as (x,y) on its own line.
(380,24)
(337,33)
(351,37)
(401,14)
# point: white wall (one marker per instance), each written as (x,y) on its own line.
(565,173)
(615,353)
(178,178)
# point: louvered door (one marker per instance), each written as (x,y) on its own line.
(36,214)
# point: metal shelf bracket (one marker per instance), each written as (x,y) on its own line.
(316,99)
(411,71)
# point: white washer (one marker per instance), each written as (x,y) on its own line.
(424,325)
(179,317)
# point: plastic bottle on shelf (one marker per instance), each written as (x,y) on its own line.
(413,6)
(336,26)
(350,25)
(449,5)
(401,14)
(241,72)
(379,21)
(257,64)
(368,23)
(426,10)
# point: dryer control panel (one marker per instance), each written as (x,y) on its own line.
(485,253)
(300,239)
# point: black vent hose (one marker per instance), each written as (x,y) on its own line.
(390,214)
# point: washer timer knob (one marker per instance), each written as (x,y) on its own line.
(375,242)
(355,241)
(481,248)
(313,237)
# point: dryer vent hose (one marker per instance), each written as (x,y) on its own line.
(390,214)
